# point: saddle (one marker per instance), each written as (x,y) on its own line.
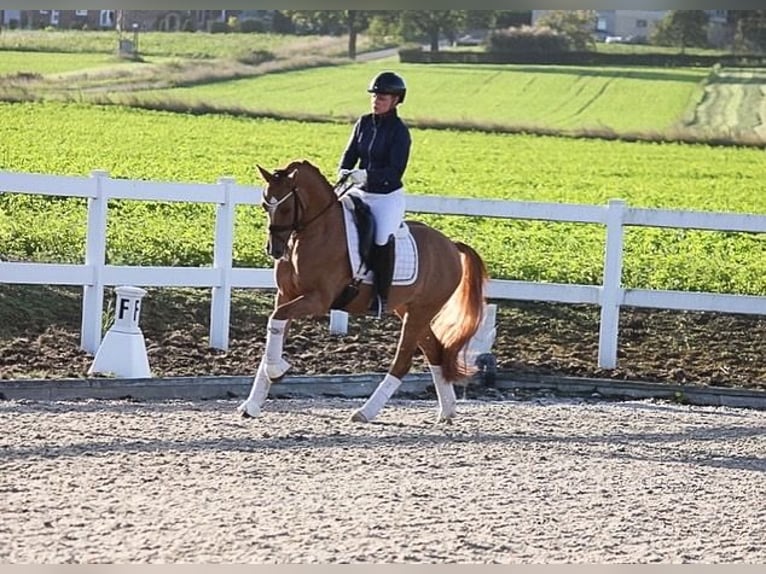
(360,235)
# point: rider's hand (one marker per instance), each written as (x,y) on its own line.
(358,176)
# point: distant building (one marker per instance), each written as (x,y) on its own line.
(10,18)
(176,20)
(638,25)
(67,19)
(626,24)
(163,20)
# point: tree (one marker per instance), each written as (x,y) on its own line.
(513,18)
(478,19)
(749,29)
(576,25)
(684,28)
(331,22)
(385,24)
(433,23)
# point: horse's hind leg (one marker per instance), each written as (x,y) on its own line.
(412,329)
(445,392)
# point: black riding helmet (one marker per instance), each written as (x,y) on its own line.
(388,83)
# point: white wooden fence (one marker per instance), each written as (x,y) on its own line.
(93,274)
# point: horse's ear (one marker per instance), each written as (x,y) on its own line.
(292,174)
(265,174)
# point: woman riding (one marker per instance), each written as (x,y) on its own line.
(380,144)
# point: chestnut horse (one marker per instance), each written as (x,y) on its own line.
(440,311)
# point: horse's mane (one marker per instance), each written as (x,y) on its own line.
(306,169)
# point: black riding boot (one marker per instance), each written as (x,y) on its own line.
(383,274)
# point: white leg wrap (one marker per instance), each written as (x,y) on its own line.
(276,366)
(446,393)
(378,399)
(258,393)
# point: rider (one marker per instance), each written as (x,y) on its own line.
(380,142)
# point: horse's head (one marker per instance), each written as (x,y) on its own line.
(290,204)
(281,203)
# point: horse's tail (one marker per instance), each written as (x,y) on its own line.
(457,322)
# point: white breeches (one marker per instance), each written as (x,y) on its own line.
(387,211)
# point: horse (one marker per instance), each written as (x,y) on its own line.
(440,310)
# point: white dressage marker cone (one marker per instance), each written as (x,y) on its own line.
(338,322)
(123,351)
(482,341)
(478,351)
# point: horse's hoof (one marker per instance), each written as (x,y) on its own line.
(248,411)
(275,371)
(359,417)
(445,419)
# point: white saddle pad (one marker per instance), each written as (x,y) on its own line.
(405,251)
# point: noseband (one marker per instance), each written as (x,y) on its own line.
(297,225)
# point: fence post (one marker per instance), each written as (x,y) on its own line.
(95,258)
(220,304)
(611,290)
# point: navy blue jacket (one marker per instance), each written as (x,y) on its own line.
(381,144)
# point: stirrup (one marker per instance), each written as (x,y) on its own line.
(378,306)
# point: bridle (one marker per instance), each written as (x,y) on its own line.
(297,224)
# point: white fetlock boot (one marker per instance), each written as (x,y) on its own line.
(251,407)
(446,394)
(377,400)
(275,366)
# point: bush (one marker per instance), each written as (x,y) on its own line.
(219,28)
(282,24)
(256,57)
(252,26)
(527,39)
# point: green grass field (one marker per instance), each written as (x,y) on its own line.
(75,139)
(652,103)
(558,97)
(152,44)
(12,63)
(476,160)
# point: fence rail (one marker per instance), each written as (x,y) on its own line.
(94,274)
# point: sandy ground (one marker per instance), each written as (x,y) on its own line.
(541,480)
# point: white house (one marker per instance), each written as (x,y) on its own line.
(639,24)
(636,24)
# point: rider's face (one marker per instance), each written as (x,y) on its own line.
(382,103)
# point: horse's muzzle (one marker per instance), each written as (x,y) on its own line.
(276,247)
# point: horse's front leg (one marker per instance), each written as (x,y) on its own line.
(251,407)
(306,305)
(273,366)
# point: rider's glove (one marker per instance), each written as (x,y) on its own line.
(358,176)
